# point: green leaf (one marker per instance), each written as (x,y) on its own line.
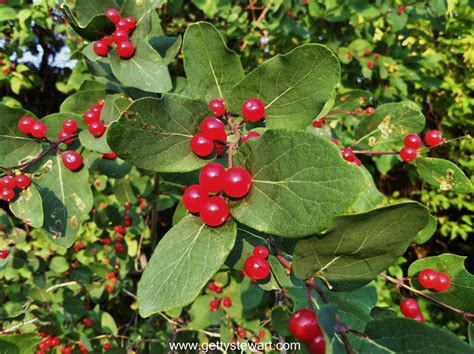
(300,195)
(443,174)
(165,126)
(294,87)
(91,26)
(425,234)
(461,292)
(385,129)
(370,196)
(140,8)
(58,264)
(397,21)
(7,13)
(182,263)
(280,319)
(404,336)
(108,324)
(19,343)
(55,123)
(28,207)
(211,68)
(16,148)
(67,198)
(82,101)
(358,247)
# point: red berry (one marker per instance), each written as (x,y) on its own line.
(25,124)
(62,136)
(87,322)
(408,154)
(7,194)
(91,116)
(401,9)
(253,110)
(120,229)
(369,110)
(109,156)
(303,325)
(125,49)
(317,345)
(212,177)
(108,40)
(370,64)
(220,150)
(97,128)
(357,111)
(218,290)
(107,346)
(131,23)
(377,56)
(318,123)
(127,220)
(214,211)
(22,181)
(109,288)
(38,130)
(101,49)
(241,332)
(419,318)
(227,302)
(202,145)
(443,283)
(7,182)
(428,278)
(122,25)
(4,253)
(212,286)
(127,206)
(260,251)
(217,107)
(214,129)
(256,267)
(54,342)
(250,135)
(105,241)
(433,137)
(348,155)
(367,52)
(334,141)
(349,56)
(120,36)
(409,308)
(72,160)
(69,126)
(262,333)
(113,14)
(79,246)
(412,141)
(194,197)
(66,350)
(237,182)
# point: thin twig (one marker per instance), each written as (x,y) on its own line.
(257,23)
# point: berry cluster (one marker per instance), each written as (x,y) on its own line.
(123,27)
(348,155)
(214,211)
(257,266)
(28,125)
(212,134)
(92,118)
(9,183)
(46,343)
(431,279)
(410,309)
(215,304)
(413,142)
(304,326)
(69,128)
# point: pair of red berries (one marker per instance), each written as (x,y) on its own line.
(257,266)
(49,342)
(431,279)
(304,326)
(410,309)
(69,128)
(119,244)
(28,125)
(214,211)
(212,134)
(123,27)
(413,142)
(120,229)
(92,118)
(252,110)
(348,155)
(212,286)
(8,184)
(367,111)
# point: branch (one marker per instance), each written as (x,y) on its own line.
(257,23)
(235,128)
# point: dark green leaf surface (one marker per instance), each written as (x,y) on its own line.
(370,197)
(404,336)
(443,174)
(16,148)
(293,195)
(19,343)
(92,23)
(358,247)
(461,292)
(182,263)
(67,198)
(294,87)
(28,207)
(155,134)
(81,101)
(425,234)
(211,68)
(386,128)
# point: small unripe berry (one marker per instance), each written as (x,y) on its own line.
(194,197)
(214,211)
(256,267)
(412,141)
(237,182)
(250,135)
(260,251)
(428,278)
(212,177)
(22,181)
(97,128)
(408,154)
(39,130)
(72,160)
(101,49)
(125,49)
(217,107)
(409,308)
(25,124)
(201,145)
(69,126)
(253,110)
(303,325)
(433,137)
(214,129)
